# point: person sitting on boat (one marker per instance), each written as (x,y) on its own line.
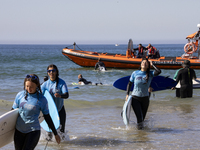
(140,51)
(151,53)
(100,66)
(156,52)
(129,53)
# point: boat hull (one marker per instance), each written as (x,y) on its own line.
(120,61)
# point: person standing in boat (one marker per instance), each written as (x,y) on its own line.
(100,65)
(141,49)
(30,102)
(140,95)
(59,91)
(185,76)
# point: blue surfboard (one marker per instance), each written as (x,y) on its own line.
(53,113)
(158,83)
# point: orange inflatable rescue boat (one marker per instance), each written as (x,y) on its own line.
(129,61)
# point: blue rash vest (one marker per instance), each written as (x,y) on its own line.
(140,85)
(29,110)
(51,87)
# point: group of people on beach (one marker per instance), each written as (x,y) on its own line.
(31,101)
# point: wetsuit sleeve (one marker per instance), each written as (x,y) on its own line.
(65,95)
(129,87)
(157,70)
(50,123)
(96,66)
(145,48)
(136,49)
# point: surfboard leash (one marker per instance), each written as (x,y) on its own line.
(46,145)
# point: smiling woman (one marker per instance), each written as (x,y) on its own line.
(30,102)
(140,96)
(58,90)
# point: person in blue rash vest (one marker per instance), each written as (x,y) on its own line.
(30,102)
(140,95)
(58,90)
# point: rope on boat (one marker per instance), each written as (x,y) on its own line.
(73,45)
(78,47)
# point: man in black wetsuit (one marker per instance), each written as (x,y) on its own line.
(185,77)
(82,80)
(100,65)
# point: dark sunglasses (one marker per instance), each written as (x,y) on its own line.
(53,70)
(32,77)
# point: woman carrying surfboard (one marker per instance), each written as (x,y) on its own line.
(30,102)
(59,91)
(140,96)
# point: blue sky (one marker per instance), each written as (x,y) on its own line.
(97,21)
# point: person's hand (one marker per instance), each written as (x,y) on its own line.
(173,88)
(57,137)
(151,63)
(57,95)
(150,89)
(127,97)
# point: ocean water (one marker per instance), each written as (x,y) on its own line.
(94,112)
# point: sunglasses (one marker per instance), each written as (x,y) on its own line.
(32,77)
(53,70)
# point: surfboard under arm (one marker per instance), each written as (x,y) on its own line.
(158,83)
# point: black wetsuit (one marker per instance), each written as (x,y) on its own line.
(185,77)
(100,65)
(84,81)
(62,115)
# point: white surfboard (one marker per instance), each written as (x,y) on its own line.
(7,126)
(127,110)
(74,83)
(196,84)
(53,112)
